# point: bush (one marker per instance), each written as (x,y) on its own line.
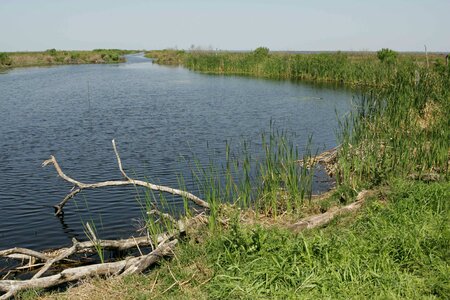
(387,55)
(261,52)
(115,57)
(52,52)
(5,59)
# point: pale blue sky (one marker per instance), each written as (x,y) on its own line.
(233,25)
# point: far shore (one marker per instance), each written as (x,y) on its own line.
(52,57)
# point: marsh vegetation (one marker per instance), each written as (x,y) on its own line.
(61,57)
(395,143)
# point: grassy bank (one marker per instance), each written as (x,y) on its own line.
(351,68)
(394,249)
(61,57)
(395,142)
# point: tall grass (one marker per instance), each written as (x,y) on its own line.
(400,130)
(349,68)
(267,179)
(91,232)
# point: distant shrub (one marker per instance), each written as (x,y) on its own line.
(115,57)
(52,52)
(5,59)
(387,55)
(261,52)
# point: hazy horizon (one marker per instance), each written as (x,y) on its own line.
(283,25)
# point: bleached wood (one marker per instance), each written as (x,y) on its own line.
(322,219)
(129,265)
(79,186)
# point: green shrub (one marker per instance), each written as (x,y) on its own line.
(52,52)
(115,57)
(261,52)
(387,55)
(5,59)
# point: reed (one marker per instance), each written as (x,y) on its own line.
(372,69)
(266,178)
(91,232)
(398,130)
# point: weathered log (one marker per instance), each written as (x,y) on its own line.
(79,186)
(23,254)
(322,219)
(127,266)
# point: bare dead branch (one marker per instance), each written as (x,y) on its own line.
(119,161)
(25,253)
(79,186)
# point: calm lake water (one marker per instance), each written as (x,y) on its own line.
(160,116)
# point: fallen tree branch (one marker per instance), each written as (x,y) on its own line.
(79,186)
(104,244)
(127,266)
(322,219)
(51,258)
(23,253)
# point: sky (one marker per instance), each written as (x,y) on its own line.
(296,25)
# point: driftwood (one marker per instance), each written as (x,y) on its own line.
(79,186)
(52,257)
(322,219)
(131,265)
(326,159)
(124,267)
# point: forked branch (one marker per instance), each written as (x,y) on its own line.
(79,186)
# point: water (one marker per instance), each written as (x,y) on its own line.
(159,116)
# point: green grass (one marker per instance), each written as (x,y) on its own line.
(393,250)
(349,68)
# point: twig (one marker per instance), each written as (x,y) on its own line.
(154,282)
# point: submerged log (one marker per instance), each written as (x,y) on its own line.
(79,186)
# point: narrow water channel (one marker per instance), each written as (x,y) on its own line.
(160,117)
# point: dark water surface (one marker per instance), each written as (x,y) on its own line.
(159,117)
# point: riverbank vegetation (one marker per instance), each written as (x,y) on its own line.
(61,57)
(353,68)
(394,248)
(394,143)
